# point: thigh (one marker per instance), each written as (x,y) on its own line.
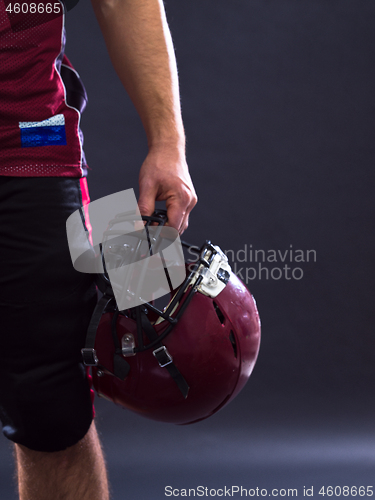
(45,308)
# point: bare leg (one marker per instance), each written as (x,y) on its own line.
(77,473)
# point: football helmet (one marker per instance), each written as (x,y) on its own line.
(184,362)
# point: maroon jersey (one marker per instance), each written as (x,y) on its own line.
(41,99)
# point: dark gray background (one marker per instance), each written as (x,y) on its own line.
(278,105)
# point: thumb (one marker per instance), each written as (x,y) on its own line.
(146,202)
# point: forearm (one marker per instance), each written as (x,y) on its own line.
(140,46)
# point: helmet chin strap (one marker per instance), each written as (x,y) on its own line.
(120,366)
(161,353)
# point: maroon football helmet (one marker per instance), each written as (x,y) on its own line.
(181,364)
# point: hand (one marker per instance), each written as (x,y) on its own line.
(164,175)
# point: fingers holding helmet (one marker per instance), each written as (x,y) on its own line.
(164,176)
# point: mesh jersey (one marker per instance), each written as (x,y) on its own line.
(41,99)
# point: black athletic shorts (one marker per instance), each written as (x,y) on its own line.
(45,308)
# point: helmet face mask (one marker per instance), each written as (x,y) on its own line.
(179,363)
